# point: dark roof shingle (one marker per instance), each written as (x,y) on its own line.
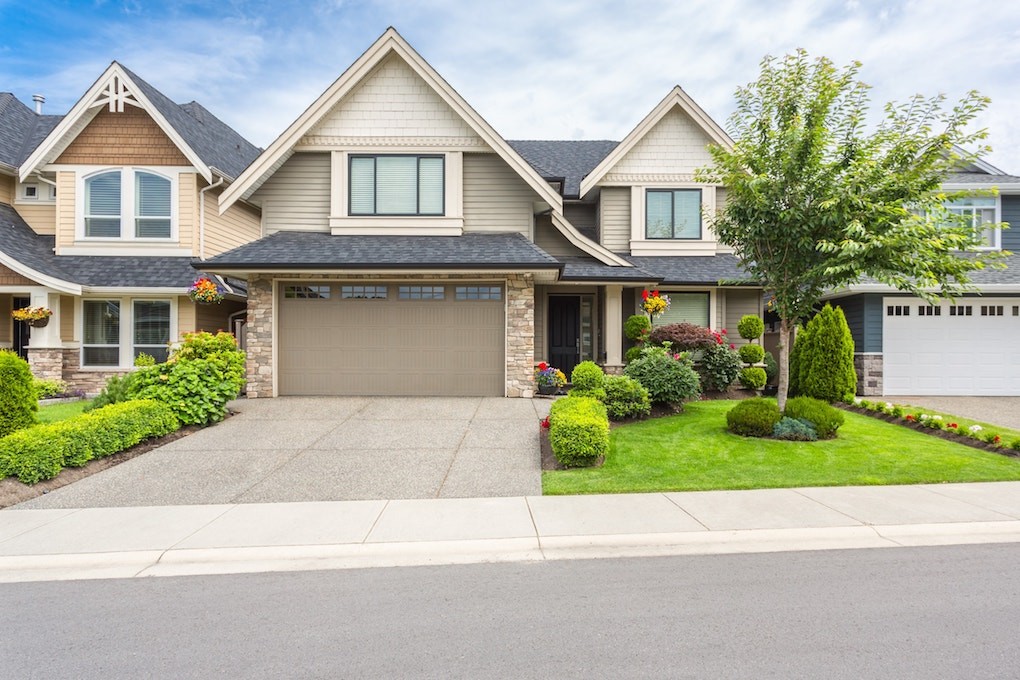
(570,159)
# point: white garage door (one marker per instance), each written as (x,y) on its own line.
(968,348)
(420,339)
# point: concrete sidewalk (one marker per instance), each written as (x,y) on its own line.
(58,544)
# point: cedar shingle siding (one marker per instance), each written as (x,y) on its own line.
(129,138)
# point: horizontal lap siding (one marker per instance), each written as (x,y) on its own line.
(1011,214)
(239,225)
(6,323)
(495,197)
(42,218)
(549,239)
(6,189)
(614,221)
(740,303)
(296,197)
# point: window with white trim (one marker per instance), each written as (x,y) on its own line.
(151,329)
(101,333)
(690,308)
(396,185)
(673,214)
(978,211)
(33,192)
(116,331)
(128,203)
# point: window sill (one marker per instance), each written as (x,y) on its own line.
(663,247)
(396,226)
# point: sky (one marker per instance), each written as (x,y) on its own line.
(562,69)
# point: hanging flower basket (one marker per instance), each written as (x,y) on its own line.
(36,317)
(205,292)
(39,323)
(653,303)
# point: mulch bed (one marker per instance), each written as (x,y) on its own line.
(941,434)
(13,492)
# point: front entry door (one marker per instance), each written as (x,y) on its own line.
(21,329)
(564,332)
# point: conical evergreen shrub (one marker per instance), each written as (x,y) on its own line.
(826,368)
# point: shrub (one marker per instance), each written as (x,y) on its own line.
(685,337)
(633,353)
(578,431)
(1015,445)
(118,388)
(753,417)
(827,363)
(792,429)
(198,379)
(587,375)
(751,354)
(625,398)
(48,389)
(144,359)
(669,379)
(597,393)
(826,418)
(750,327)
(802,341)
(18,402)
(637,327)
(771,368)
(752,377)
(40,452)
(720,366)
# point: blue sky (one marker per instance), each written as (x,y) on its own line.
(566,69)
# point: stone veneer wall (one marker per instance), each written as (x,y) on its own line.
(869,374)
(47,364)
(65,364)
(520,325)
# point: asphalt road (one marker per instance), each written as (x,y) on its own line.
(927,613)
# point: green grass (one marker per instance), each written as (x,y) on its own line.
(693,452)
(51,414)
(1006,433)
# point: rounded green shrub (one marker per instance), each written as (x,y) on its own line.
(753,417)
(825,417)
(18,401)
(750,327)
(118,388)
(720,366)
(578,431)
(669,379)
(594,393)
(625,398)
(751,354)
(752,377)
(587,375)
(637,327)
(633,353)
(795,430)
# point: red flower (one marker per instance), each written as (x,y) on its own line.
(545,423)
(910,418)
(732,346)
(953,425)
(644,295)
(655,293)
(996,439)
(542,366)
(723,331)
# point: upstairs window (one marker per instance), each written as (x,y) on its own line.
(152,206)
(673,214)
(396,185)
(978,211)
(128,204)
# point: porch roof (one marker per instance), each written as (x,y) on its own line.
(714,270)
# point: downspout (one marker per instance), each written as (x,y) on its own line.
(201,217)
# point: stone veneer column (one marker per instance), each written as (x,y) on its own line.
(869,367)
(47,363)
(520,336)
(259,337)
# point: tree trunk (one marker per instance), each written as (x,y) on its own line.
(784,363)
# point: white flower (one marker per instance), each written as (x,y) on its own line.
(975,428)
(936,417)
(858,401)
(889,406)
(925,416)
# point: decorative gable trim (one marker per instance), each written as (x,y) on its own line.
(114,90)
(676,98)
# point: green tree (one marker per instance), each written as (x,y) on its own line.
(816,199)
(826,363)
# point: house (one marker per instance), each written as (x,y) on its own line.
(408,249)
(904,346)
(102,212)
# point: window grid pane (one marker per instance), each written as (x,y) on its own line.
(102,205)
(396,185)
(659,215)
(362,194)
(479,293)
(363,292)
(152,206)
(306,292)
(422,293)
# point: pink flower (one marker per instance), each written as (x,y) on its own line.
(732,346)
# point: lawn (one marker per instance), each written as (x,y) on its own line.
(55,412)
(694,452)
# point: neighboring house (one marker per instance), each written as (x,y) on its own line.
(102,212)
(907,347)
(408,249)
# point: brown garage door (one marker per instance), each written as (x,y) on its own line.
(426,339)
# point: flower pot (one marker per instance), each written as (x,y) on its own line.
(547,389)
(38,323)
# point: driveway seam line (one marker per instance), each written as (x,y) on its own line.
(456,450)
(163,553)
(376,522)
(685,511)
(538,536)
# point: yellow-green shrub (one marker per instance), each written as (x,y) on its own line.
(578,431)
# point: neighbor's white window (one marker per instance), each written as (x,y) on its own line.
(128,203)
(396,185)
(979,211)
(115,332)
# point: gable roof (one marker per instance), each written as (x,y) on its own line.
(21,130)
(567,160)
(677,98)
(206,141)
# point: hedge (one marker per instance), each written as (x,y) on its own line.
(42,451)
(578,431)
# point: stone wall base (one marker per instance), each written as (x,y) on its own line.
(613,370)
(46,363)
(869,374)
(65,364)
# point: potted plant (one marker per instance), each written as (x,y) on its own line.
(37,317)
(549,379)
(205,292)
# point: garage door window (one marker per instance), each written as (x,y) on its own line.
(479,293)
(306,292)
(422,292)
(363,292)
(961,310)
(897,310)
(992,310)
(929,310)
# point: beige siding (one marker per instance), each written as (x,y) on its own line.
(676,145)
(187,210)
(296,197)
(185,315)
(11,278)
(65,208)
(6,189)
(215,318)
(6,323)
(549,239)
(495,197)
(127,138)
(41,217)
(614,218)
(739,303)
(66,318)
(582,216)
(720,202)
(239,225)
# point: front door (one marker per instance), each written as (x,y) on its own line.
(564,332)
(21,329)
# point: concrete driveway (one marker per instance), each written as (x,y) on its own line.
(331,449)
(1004,411)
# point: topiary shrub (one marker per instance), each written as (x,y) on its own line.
(578,431)
(720,366)
(633,353)
(637,327)
(750,327)
(753,417)
(625,398)
(587,375)
(792,429)
(771,368)
(825,418)
(18,401)
(752,377)
(669,379)
(751,354)
(683,337)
